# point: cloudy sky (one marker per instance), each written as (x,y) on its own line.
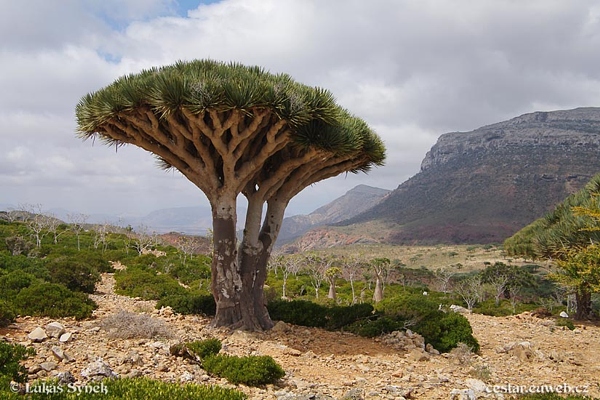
(413,69)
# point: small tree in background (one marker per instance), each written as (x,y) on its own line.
(77,225)
(231,130)
(331,274)
(381,269)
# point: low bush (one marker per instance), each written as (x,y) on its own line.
(128,325)
(147,284)
(339,317)
(76,275)
(7,313)
(189,304)
(444,331)
(204,348)
(250,370)
(298,312)
(375,327)
(54,301)
(565,322)
(131,389)
(12,283)
(10,363)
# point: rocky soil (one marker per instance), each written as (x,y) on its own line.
(516,351)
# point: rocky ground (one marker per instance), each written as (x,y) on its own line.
(516,351)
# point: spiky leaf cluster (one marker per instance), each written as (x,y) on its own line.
(568,226)
(201,86)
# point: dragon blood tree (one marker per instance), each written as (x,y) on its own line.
(234,129)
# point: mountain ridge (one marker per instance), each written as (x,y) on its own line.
(482,186)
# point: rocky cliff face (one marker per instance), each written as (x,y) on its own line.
(484,185)
(355,201)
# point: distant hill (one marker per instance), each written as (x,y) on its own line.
(355,201)
(483,186)
(189,220)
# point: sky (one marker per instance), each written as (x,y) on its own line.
(412,69)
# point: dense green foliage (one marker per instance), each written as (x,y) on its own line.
(249,370)
(10,363)
(53,300)
(190,303)
(204,348)
(307,313)
(202,85)
(7,313)
(570,235)
(129,389)
(561,228)
(74,274)
(146,284)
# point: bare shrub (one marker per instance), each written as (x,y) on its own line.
(128,325)
(461,354)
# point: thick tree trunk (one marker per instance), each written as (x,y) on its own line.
(584,304)
(378,293)
(238,278)
(226,280)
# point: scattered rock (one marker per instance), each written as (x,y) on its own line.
(65,337)
(58,353)
(48,366)
(55,329)
(98,370)
(429,348)
(37,335)
(460,309)
(280,327)
(65,377)
(563,314)
(418,355)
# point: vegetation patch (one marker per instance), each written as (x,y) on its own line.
(10,363)
(189,303)
(54,301)
(133,389)
(250,370)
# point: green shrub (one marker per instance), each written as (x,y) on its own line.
(444,331)
(339,317)
(565,322)
(33,266)
(7,313)
(375,327)
(54,301)
(12,283)
(10,363)
(204,348)
(74,274)
(250,370)
(140,282)
(298,312)
(189,304)
(408,307)
(134,389)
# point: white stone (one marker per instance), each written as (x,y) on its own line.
(563,314)
(37,335)
(55,329)
(65,337)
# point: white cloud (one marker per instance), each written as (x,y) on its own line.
(413,69)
